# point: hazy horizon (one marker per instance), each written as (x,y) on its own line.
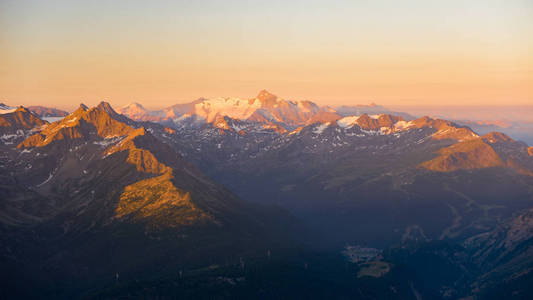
(335,53)
(304,149)
(148,104)
(505,111)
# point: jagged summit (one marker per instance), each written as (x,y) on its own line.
(4,109)
(100,179)
(105,106)
(265,108)
(266,97)
(81,125)
(80,110)
(22,109)
(19,118)
(388,123)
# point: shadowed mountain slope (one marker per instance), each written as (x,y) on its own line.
(96,184)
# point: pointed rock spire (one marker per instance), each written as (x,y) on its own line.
(265,95)
(105,106)
(22,109)
(81,109)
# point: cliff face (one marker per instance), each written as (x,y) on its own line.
(82,123)
(20,119)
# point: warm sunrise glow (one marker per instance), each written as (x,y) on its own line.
(333,52)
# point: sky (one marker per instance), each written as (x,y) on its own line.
(159,53)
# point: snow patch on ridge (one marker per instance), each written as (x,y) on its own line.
(401,125)
(320,128)
(234,108)
(347,122)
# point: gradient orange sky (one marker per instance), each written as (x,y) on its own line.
(60,53)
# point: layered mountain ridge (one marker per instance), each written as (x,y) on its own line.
(164,193)
(379,164)
(100,135)
(265,108)
(98,182)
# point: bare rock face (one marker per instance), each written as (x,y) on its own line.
(19,119)
(102,165)
(265,108)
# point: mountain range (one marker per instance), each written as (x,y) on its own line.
(98,182)
(207,186)
(265,108)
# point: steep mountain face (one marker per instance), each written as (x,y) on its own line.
(82,124)
(4,109)
(496,264)
(505,258)
(16,125)
(96,183)
(19,119)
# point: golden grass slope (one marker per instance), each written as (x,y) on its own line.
(160,202)
(471,154)
(477,153)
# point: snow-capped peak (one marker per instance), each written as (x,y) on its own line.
(347,122)
(264,108)
(320,128)
(133,108)
(265,95)
(234,108)
(133,105)
(4,109)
